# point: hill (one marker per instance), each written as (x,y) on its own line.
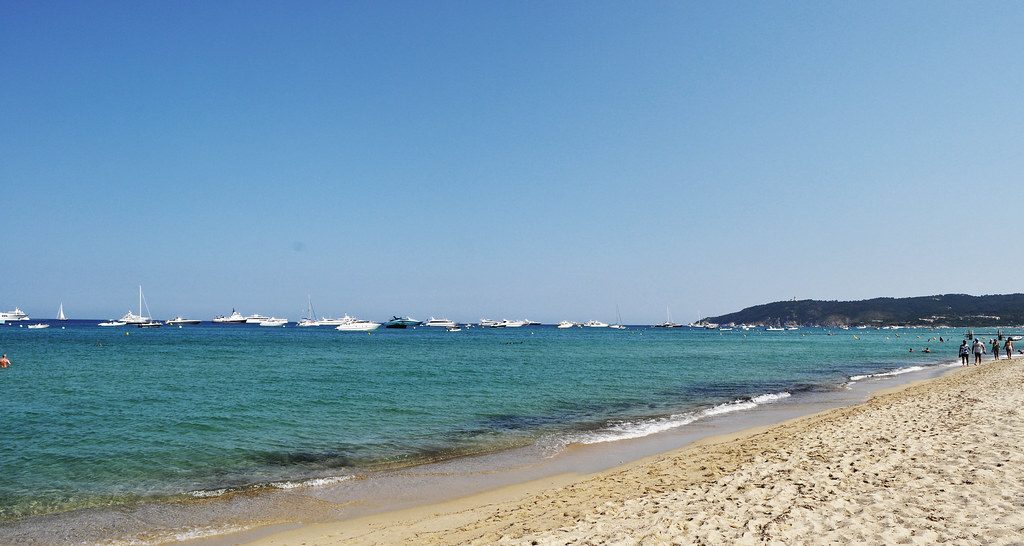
(942,310)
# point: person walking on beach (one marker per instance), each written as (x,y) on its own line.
(995,349)
(965,353)
(4,362)
(979,349)
(1009,348)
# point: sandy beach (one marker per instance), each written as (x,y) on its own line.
(937,461)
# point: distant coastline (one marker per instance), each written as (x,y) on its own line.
(963,310)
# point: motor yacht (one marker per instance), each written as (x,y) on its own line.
(489,323)
(324,321)
(617,327)
(13,316)
(595,324)
(358,325)
(306,323)
(565,324)
(38,326)
(439,322)
(149,324)
(234,318)
(179,320)
(112,323)
(256,318)
(531,322)
(273,321)
(513,323)
(401,322)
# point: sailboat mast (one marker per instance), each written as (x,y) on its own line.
(140,300)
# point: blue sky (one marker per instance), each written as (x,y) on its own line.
(548,160)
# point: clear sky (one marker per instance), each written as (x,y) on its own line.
(548,160)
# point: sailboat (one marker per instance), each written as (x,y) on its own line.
(60,312)
(618,320)
(310,319)
(140,320)
(668,323)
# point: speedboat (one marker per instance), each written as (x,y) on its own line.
(38,326)
(358,325)
(566,324)
(112,323)
(148,324)
(595,324)
(179,320)
(531,322)
(617,327)
(273,321)
(773,329)
(454,329)
(439,322)
(488,323)
(12,316)
(401,322)
(668,324)
(513,323)
(234,318)
(256,318)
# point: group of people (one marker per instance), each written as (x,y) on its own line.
(978,348)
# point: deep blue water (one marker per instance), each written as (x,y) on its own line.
(91,416)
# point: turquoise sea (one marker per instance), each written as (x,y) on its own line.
(105,417)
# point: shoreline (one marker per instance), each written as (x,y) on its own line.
(579,466)
(897,466)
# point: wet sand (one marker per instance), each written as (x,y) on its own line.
(936,461)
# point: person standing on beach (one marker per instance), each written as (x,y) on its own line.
(4,362)
(965,353)
(995,349)
(1009,348)
(979,349)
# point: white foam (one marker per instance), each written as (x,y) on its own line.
(205,532)
(208,493)
(898,371)
(638,429)
(313,482)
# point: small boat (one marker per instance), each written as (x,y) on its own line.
(149,324)
(531,322)
(60,312)
(773,329)
(234,318)
(565,324)
(401,322)
(38,326)
(595,324)
(306,323)
(256,318)
(439,323)
(112,322)
(358,325)
(273,321)
(179,320)
(513,323)
(725,329)
(454,329)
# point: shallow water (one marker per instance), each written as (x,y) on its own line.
(95,417)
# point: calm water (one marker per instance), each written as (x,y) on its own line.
(94,417)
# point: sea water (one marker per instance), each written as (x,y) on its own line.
(109,417)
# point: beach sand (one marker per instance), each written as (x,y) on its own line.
(937,461)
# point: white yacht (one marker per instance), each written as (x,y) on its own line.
(256,318)
(566,324)
(234,318)
(773,329)
(439,322)
(324,321)
(595,324)
(531,322)
(357,325)
(617,327)
(513,323)
(38,326)
(112,322)
(306,323)
(273,321)
(179,320)
(12,316)
(488,323)
(310,318)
